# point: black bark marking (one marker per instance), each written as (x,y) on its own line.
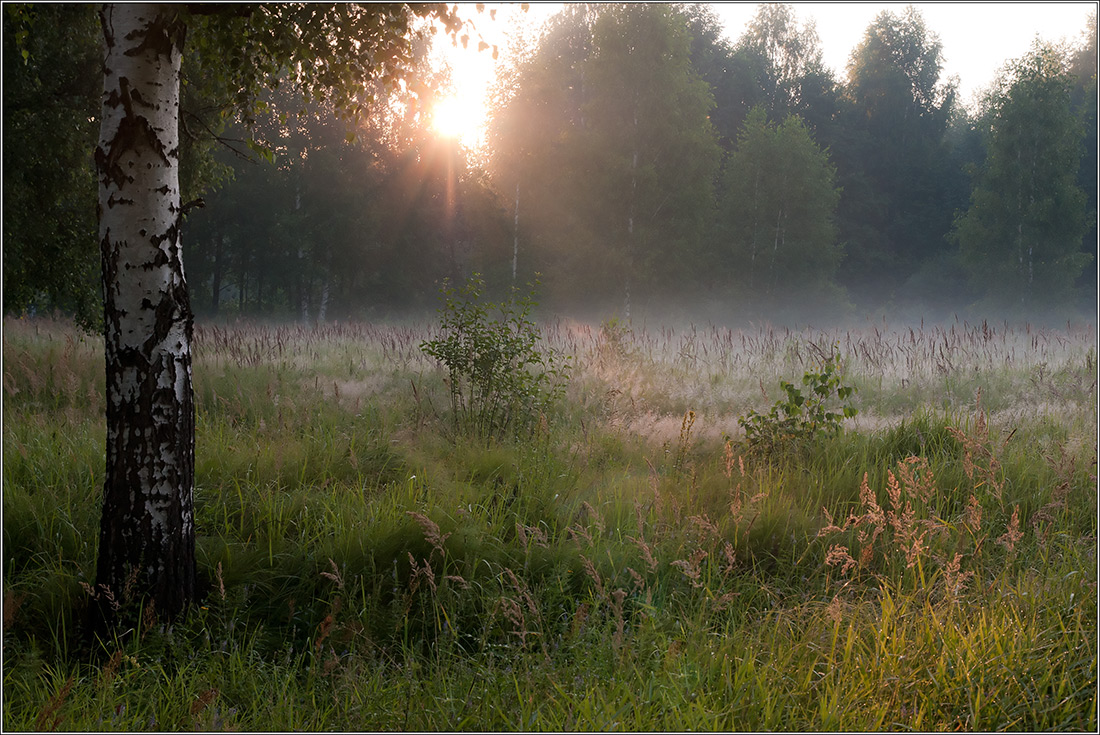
(133,130)
(162,37)
(112,200)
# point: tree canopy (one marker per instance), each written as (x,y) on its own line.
(352,207)
(779,215)
(1021,236)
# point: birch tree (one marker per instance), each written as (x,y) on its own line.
(147,536)
(1020,238)
(777,214)
(608,134)
(900,184)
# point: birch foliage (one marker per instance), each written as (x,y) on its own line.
(1021,236)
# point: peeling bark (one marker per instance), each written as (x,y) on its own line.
(147,538)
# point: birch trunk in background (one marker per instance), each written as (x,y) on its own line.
(147,538)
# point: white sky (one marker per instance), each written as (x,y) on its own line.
(978,38)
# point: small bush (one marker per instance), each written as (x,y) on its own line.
(800,418)
(500,377)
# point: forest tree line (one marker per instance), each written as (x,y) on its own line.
(635,159)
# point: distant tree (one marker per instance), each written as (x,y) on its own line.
(1021,236)
(777,215)
(1083,67)
(346,218)
(51,104)
(776,63)
(713,58)
(532,132)
(620,156)
(651,149)
(791,56)
(900,181)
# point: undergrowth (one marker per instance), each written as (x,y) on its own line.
(367,568)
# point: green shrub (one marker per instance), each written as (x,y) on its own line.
(500,376)
(800,418)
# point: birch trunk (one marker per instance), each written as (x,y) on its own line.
(515,238)
(216,287)
(147,537)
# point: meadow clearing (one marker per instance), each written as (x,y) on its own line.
(631,563)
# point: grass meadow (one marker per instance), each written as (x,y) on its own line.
(628,566)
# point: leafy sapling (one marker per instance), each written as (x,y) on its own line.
(801,417)
(500,377)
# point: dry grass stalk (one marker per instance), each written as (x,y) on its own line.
(691,566)
(617,598)
(728,459)
(835,610)
(103,591)
(590,570)
(419,571)
(1012,534)
(221,580)
(521,589)
(954,581)
(725,600)
(457,579)
(48,719)
(148,618)
(736,504)
(594,515)
(873,514)
(334,575)
(431,531)
(839,555)
(684,441)
(972,517)
(323,631)
(110,669)
(731,558)
(579,618)
(704,523)
(830,525)
(980,462)
(647,552)
(526,534)
(204,700)
(577,532)
(513,611)
(914,475)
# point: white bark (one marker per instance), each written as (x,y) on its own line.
(147,524)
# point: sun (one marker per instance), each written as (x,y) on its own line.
(459,117)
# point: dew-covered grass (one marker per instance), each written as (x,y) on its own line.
(630,566)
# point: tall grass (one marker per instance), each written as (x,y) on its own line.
(630,567)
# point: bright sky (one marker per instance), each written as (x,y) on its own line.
(977,38)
